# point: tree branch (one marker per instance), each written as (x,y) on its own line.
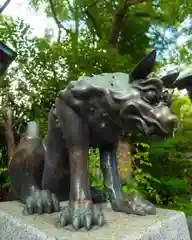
(59,25)
(2,8)
(93,19)
(147,15)
(134,2)
(70,7)
(94,22)
(118,20)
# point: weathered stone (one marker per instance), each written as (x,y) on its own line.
(166,225)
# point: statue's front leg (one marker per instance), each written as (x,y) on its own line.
(119,201)
(81,212)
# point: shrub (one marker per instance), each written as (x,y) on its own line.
(162,175)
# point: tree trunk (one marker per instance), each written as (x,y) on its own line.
(9,134)
(124,157)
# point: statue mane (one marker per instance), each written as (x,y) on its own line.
(114,86)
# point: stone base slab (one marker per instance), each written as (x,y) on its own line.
(166,225)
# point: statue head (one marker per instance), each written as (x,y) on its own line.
(148,111)
(134,102)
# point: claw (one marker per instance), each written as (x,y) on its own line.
(25,211)
(56,204)
(48,206)
(100,219)
(143,207)
(139,211)
(135,205)
(88,221)
(76,222)
(151,209)
(39,207)
(63,221)
(29,205)
(99,216)
(41,201)
(81,215)
(64,217)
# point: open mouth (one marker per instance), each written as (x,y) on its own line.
(148,128)
(143,118)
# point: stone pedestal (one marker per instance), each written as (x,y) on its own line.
(166,225)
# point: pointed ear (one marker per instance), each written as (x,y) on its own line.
(184,80)
(169,79)
(144,67)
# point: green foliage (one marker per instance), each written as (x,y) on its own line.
(96,178)
(162,175)
(182,107)
(171,167)
(145,179)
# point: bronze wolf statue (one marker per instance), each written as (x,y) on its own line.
(91,112)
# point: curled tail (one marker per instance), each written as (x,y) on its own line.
(27,162)
(27,146)
(31,133)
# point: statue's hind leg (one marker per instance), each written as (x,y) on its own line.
(26,168)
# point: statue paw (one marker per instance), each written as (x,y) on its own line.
(81,214)
(41,201)
(134,205)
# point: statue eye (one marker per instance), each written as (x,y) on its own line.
(151,96)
